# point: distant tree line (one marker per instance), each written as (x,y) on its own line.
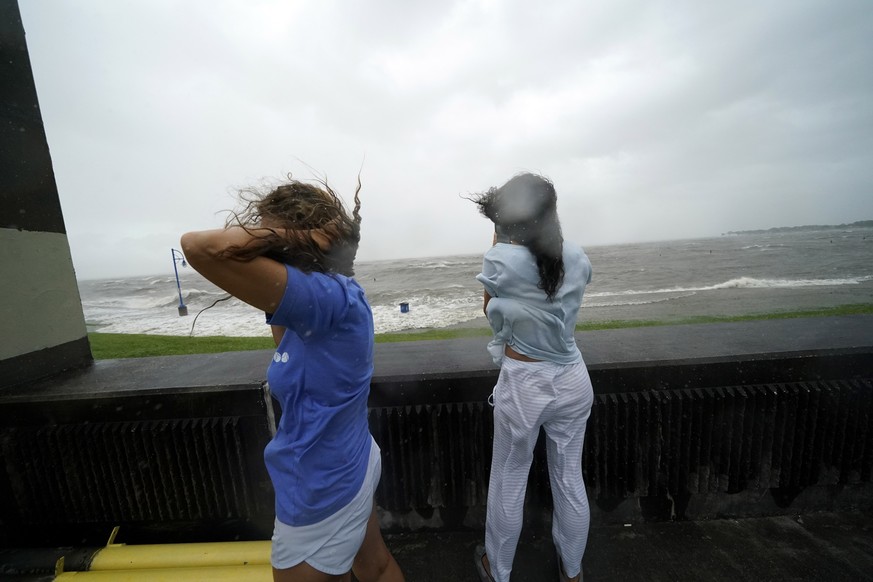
(859,224)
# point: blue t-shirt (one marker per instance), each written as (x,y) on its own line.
(321,376)
(519,312)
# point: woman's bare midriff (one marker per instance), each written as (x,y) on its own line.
(511,353)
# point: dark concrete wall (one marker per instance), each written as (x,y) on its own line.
(42,329)
(681,429)
(689,422)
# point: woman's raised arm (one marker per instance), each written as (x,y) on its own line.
(260,282)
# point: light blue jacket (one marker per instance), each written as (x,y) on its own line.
(519,312)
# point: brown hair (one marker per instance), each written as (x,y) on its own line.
(292,209)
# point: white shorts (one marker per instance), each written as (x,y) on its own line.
(330,545)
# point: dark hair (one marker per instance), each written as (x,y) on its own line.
(298,207)
(526,209)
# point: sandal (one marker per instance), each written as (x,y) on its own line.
(479,556)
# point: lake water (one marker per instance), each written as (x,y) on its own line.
(727,275)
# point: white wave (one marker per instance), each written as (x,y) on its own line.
(750,283)
(159,280)
(152,302)
(240,320)
(629,302)
(744,283)
(426,313)
(762,247)
(438,264)
(433,265)
(227,322)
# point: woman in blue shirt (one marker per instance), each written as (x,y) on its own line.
(290,253)
(534,282)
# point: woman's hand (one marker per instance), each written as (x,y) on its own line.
(322,236)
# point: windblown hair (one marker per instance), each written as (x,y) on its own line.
(291,210)
(526,209)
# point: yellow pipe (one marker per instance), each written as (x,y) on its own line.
(122,557)
(255,573)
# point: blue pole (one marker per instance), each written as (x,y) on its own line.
(182,309)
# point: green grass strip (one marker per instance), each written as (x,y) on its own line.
(121,345)
(106,346)
(850,309)
(432,334)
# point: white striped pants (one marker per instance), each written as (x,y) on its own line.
(558,398)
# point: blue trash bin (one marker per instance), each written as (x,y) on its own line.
(404,308)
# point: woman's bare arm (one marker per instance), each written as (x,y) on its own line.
(259,282)
(278,332)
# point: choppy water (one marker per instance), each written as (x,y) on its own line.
(442,291)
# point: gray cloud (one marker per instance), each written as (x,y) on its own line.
(654,119)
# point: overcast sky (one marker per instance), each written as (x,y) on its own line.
(655,120)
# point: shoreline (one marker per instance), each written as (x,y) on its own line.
(735,303)
(108,346)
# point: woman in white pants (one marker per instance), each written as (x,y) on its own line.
(534,282)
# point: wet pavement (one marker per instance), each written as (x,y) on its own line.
(827,547)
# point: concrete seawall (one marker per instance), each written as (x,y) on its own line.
(690,422)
